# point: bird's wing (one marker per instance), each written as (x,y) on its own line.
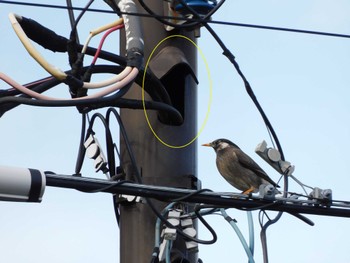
(249,163)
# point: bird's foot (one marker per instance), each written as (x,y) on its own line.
(248,191)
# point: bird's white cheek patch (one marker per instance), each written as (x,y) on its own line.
(223,145)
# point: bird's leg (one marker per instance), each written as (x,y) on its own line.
(249,191)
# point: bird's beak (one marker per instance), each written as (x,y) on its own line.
(206,144)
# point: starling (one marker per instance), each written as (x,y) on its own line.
(238,168)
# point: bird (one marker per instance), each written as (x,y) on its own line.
(238,168)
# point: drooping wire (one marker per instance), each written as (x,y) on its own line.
(109,141)
(231,58)
(138,179)
(110,154)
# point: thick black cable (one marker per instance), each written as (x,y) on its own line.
(153,88)
(91,104)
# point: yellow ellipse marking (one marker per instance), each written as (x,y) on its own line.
(210,93)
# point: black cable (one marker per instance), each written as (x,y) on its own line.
(231,58)
(250,92)
(8,103)
(109,141)
(76,59)
(71,17)
(90,104)
(81,152)
(197,208)
(115,197)
(110,156)
(183,199)
(138,179)
(113,184)
(186,19)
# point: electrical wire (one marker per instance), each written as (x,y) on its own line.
(158,224)
(251,231)
(83,11)
(168,250)
(301,184)
(81,152)
(138,179)
(239,234)
(90,104)
(58,73)
(102,41)
(184,198)
(71,17)
(120,84)
(76,60)
(225,23)
(101,29)
(250,92)
(109,140)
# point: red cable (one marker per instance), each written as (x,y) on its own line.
(103,40)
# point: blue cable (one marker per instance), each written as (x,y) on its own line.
(158,222)
(239,234)
(251,231)
(167,251)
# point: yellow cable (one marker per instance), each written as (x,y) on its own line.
(54,71)
(105,27)
(100,30)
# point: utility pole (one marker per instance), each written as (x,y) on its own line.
(174,62)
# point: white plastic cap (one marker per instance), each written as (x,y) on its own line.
(21,184)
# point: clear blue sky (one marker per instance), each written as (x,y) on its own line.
(302,82)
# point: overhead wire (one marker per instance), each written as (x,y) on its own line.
(231,58)
(271,130)
(198,20)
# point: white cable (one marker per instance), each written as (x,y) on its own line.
(120,84)
(56,72)
(99,30)
(116,78)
